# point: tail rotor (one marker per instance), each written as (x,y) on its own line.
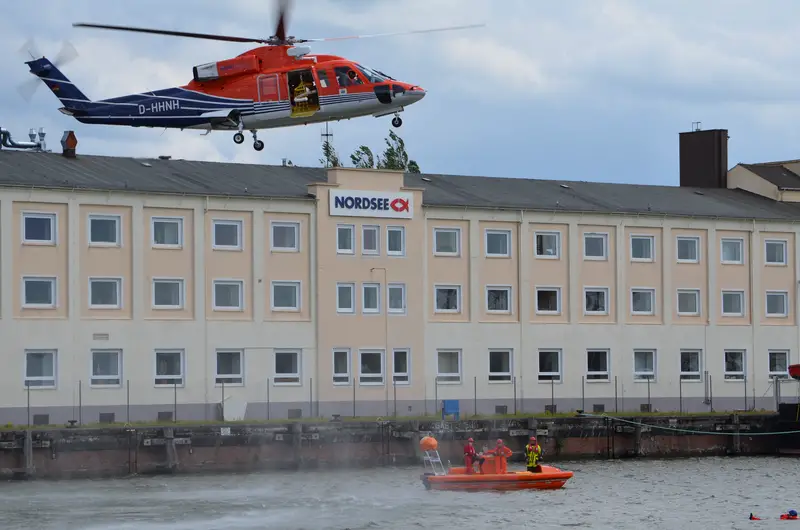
(30,52)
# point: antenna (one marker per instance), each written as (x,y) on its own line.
(696,126)
(326,138)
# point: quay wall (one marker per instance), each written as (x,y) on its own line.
(122,451)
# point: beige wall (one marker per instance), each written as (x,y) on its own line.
(230,264)
(733,277)
(689,275)
(168,263)
(449,270)
(498,272)
(597,272)
(644,275)
(286,266)
(550,271)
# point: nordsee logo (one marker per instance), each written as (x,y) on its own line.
(371,204)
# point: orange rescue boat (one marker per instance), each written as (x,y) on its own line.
(457,478)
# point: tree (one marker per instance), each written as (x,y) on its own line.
(393,157)
(363,158)
(331,157)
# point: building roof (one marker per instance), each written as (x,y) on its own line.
(186,177)
(776,173)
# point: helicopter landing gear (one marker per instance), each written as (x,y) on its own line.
(238,138)
(258,145)
(396,121)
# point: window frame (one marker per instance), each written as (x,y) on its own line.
(389,287)
(376,229)
(496,232)
(780,375)
(606,373)
(600,235)
(382,355)
(695,240)
(739,241)
(785,295)
(179,220)
(557,290)
(607,309)
(558,376)
(298,290)
(508,377)
(297,377)
(93,377)
(445,229)
(377,288)
(181,376)
(240,376)
(784,243)
(682,373)
(696,293)
(510,293)
(227,281)
(651,239)
(50,216)
(407,373)
(653,302)
(181,289)
(119,283)
(402,230)
(352,309)
(294,225)
(556,234)
(734,375)
(52,280)
(351,228)
(117,218)
(54,379)
(641,377)
(238,223)
(348,374)
(743,298)
(459,300)
(457,377)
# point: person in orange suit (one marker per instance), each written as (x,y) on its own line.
(501,453)
(471,456)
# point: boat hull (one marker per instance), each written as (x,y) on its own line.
(551,478)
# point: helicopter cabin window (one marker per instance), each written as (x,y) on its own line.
(371,75)
(346,77)
(323,78)
(268,88)
(303,92)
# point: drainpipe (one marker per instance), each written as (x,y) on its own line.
(521,295)
(753,254)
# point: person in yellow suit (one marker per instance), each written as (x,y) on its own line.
(533,453)
(501,453)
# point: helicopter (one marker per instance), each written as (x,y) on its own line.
(278,84)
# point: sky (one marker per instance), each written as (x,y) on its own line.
(593,90)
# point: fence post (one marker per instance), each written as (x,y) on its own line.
(680,394)
(310,397)
(475,395)
(28,390)
(552,396)
(175,402)
(616,402)
(80,402)
(745,392)
(354,396)
(436,409)
(514,382)
(268,403)
(394,387)
(649,404)
(222,402)
(128,399)
(583,393)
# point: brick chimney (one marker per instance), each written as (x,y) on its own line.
(68,144)
(704,158)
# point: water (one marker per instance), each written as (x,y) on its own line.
(626,495)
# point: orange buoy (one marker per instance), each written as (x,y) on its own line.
(428,443)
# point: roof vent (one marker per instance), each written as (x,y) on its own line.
(164,157)
(426,179)
(68,144)
(564,186)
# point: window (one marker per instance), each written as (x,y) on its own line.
(104,230)
(105,293)
(447,241)
(401,367)
(39,228)
(732,250)
(499,366)
(642,248)
(644,365)
(775,252)
(227,234)
(287,367)
(448,366)
(734,365)
(38,292)
(595,300)
(166,232)
(371,298)
(777,303)
(688,301)
(595,246)
(345,235)
(690,365)
(779,364)
(285,236)
(597,365)
(345,297)
(106,368)
(643,301)
(549,365)
(341,367)
(286,296)
(548,300)
(228,295)
(169,368)
(732,303)
(167,293)
(370,240)
(229,367)
(371,372)
(40,368)
(688,249)
(396,294)
(498,243)
(395,240)
(448,298)
(548,245)
(498,299)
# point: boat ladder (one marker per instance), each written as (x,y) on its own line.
(432,460)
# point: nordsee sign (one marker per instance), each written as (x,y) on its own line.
(355,203)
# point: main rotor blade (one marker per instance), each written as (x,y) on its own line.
(172,33)
(393,34)
(281,19)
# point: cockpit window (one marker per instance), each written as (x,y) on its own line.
(372,75)
(343,78)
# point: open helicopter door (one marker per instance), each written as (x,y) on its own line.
(303,93)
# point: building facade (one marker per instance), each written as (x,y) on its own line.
(132,290)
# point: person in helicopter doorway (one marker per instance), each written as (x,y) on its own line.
(471,456)
(533,453)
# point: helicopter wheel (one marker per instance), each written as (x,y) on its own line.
(258,145)
(396,121)
(238,138)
